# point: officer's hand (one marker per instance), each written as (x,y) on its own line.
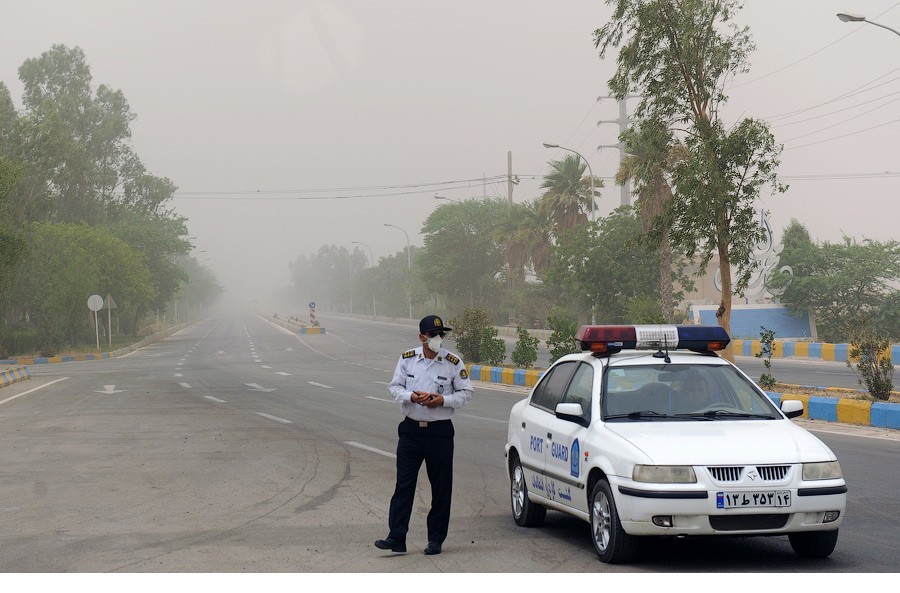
(436,400)
(419,397)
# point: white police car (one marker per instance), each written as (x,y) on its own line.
(648,432)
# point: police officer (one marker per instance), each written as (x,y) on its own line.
(430,384)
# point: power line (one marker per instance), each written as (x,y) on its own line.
(843,121)
(843,135)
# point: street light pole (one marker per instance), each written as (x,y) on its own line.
(408,265)
(848,17)
(591,173)
(437,197)
(374,313)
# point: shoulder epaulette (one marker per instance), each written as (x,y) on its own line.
(452,358)
(409,354)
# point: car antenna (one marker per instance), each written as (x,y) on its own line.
(661,354)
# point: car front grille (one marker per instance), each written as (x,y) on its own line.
(747,522)
(736,473)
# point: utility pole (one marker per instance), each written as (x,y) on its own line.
(509,177)
(623,121)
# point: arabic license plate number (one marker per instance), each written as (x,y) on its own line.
(740,500)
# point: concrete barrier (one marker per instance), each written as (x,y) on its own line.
(14,375)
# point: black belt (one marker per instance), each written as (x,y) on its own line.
(423,423)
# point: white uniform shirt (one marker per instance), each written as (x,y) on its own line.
(444,374)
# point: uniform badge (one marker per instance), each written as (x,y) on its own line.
(464,374)
(409,354)
(440,389)
(452,358)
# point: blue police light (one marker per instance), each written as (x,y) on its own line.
(609,339)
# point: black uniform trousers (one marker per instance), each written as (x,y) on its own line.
(432,444)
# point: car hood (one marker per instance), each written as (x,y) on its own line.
(722,442)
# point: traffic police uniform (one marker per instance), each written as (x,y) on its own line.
(426,434)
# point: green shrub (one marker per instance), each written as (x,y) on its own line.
(869,351)
(477,339)
(562,337)
(767,340)
(525,353)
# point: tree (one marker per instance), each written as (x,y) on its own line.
(839,282)
(461,259)
(677,56)
(562,337)
(74,262)
(652,155)
(605,266)
(568,199)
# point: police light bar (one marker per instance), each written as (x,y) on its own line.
(608,339)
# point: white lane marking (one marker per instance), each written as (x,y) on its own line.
(215,399)
(382,382)
(372,449)
(9,399)
(257,387)
(185,385)
(265,366)
(110,389)
(380,399)
(485,419)
(179,375)
(275,418)
(322,385)
(282,373)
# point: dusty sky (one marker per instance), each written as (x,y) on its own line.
(291,124)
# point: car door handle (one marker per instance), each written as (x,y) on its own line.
(549,436)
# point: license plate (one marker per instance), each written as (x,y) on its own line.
(750,500)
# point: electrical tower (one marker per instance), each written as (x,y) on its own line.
(623,121)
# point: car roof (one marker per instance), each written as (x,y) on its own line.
(645,357)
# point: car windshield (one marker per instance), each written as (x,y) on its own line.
(682,392)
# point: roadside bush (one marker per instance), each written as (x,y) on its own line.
(477,339)
(869,357)
(562,337)
(767,341)
(525,353)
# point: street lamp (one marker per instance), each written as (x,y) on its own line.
(849,17)
(591,173)
(408,265)
(374,313)
(437,197)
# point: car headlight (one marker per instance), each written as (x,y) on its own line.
(822,470)
(681,474)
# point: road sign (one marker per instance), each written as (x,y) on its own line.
(95,302)
(312,304)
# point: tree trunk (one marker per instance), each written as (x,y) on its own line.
(723,314)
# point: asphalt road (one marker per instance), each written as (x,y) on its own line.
(235,446)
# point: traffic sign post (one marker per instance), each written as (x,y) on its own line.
(95,303)
(312,312)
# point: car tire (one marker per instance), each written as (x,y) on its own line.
(525,513)
(611,542)
(813,544)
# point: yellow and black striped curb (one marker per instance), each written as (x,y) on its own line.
(14,374)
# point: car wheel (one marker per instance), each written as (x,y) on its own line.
(525,512)
(813,544)
(611,542)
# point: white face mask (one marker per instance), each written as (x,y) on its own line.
(434,344)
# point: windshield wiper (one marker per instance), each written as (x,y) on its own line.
(639,415)
(728,414)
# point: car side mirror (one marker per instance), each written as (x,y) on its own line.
(792,408)
(572,412)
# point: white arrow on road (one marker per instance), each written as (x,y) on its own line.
(256,387)
(110,389)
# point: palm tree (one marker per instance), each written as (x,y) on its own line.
(652,155)
(524,235)
(568,197)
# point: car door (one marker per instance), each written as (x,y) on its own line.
(563,458)
(535,420)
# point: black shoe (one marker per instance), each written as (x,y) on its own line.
(432,548)
(393,545)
